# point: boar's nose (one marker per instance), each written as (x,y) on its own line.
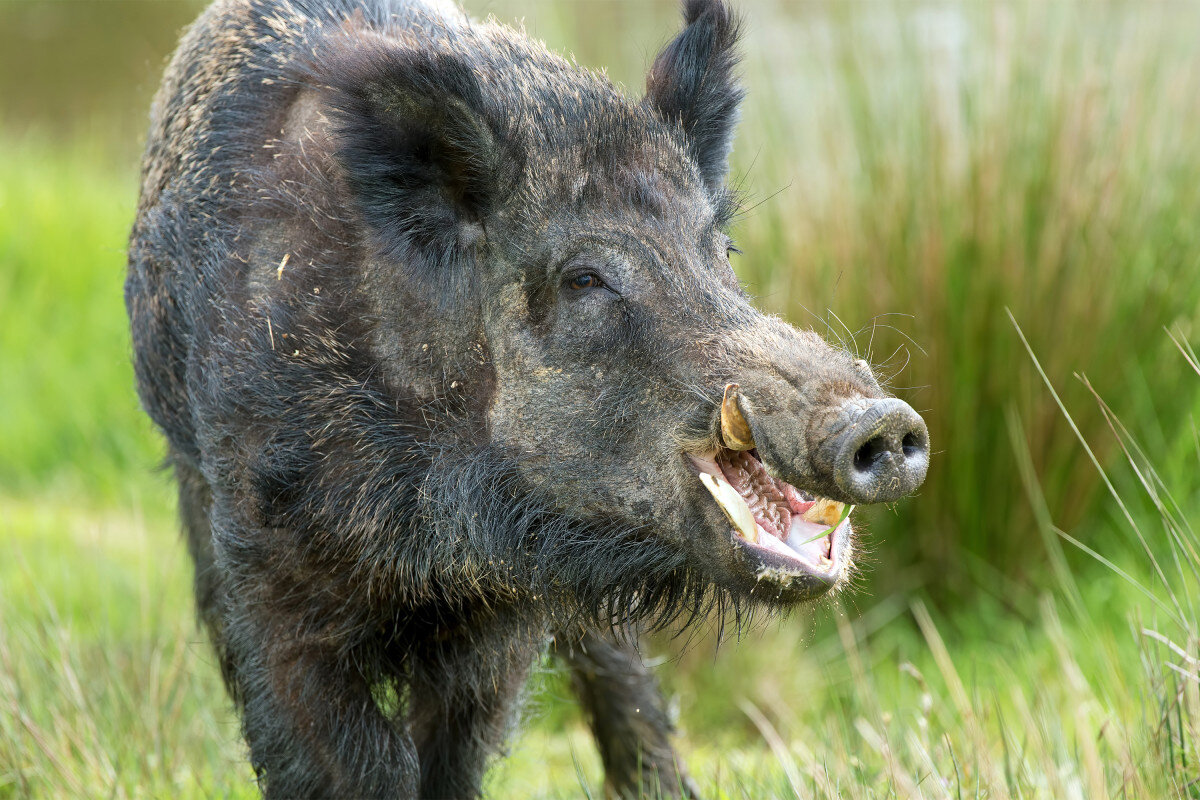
(881,453)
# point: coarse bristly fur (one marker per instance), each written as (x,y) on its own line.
(412,443)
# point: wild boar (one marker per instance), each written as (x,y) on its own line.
(443,336)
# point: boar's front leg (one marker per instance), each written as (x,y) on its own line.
(465,691)
(625,710)
(309,717)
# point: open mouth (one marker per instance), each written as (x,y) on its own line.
(780,525)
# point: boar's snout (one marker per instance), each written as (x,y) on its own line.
(879,450)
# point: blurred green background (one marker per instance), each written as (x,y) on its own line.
(915,173)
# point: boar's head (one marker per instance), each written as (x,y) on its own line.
(576,242)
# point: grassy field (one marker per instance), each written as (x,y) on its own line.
(967,194)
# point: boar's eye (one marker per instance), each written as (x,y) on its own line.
(585,280)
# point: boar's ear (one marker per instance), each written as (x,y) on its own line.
(424,151)
(693,84)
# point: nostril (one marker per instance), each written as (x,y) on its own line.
(865,456)
(882,453)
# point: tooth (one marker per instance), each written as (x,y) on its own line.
(825,511)
(733,505)
(734,428)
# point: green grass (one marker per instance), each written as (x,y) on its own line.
(912,173)
(106,685)
(69,419)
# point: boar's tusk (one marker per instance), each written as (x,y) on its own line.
(734,428)
(733,505)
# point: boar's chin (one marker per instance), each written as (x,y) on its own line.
(788,545)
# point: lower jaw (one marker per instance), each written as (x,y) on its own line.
(767,577)
(777,560)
